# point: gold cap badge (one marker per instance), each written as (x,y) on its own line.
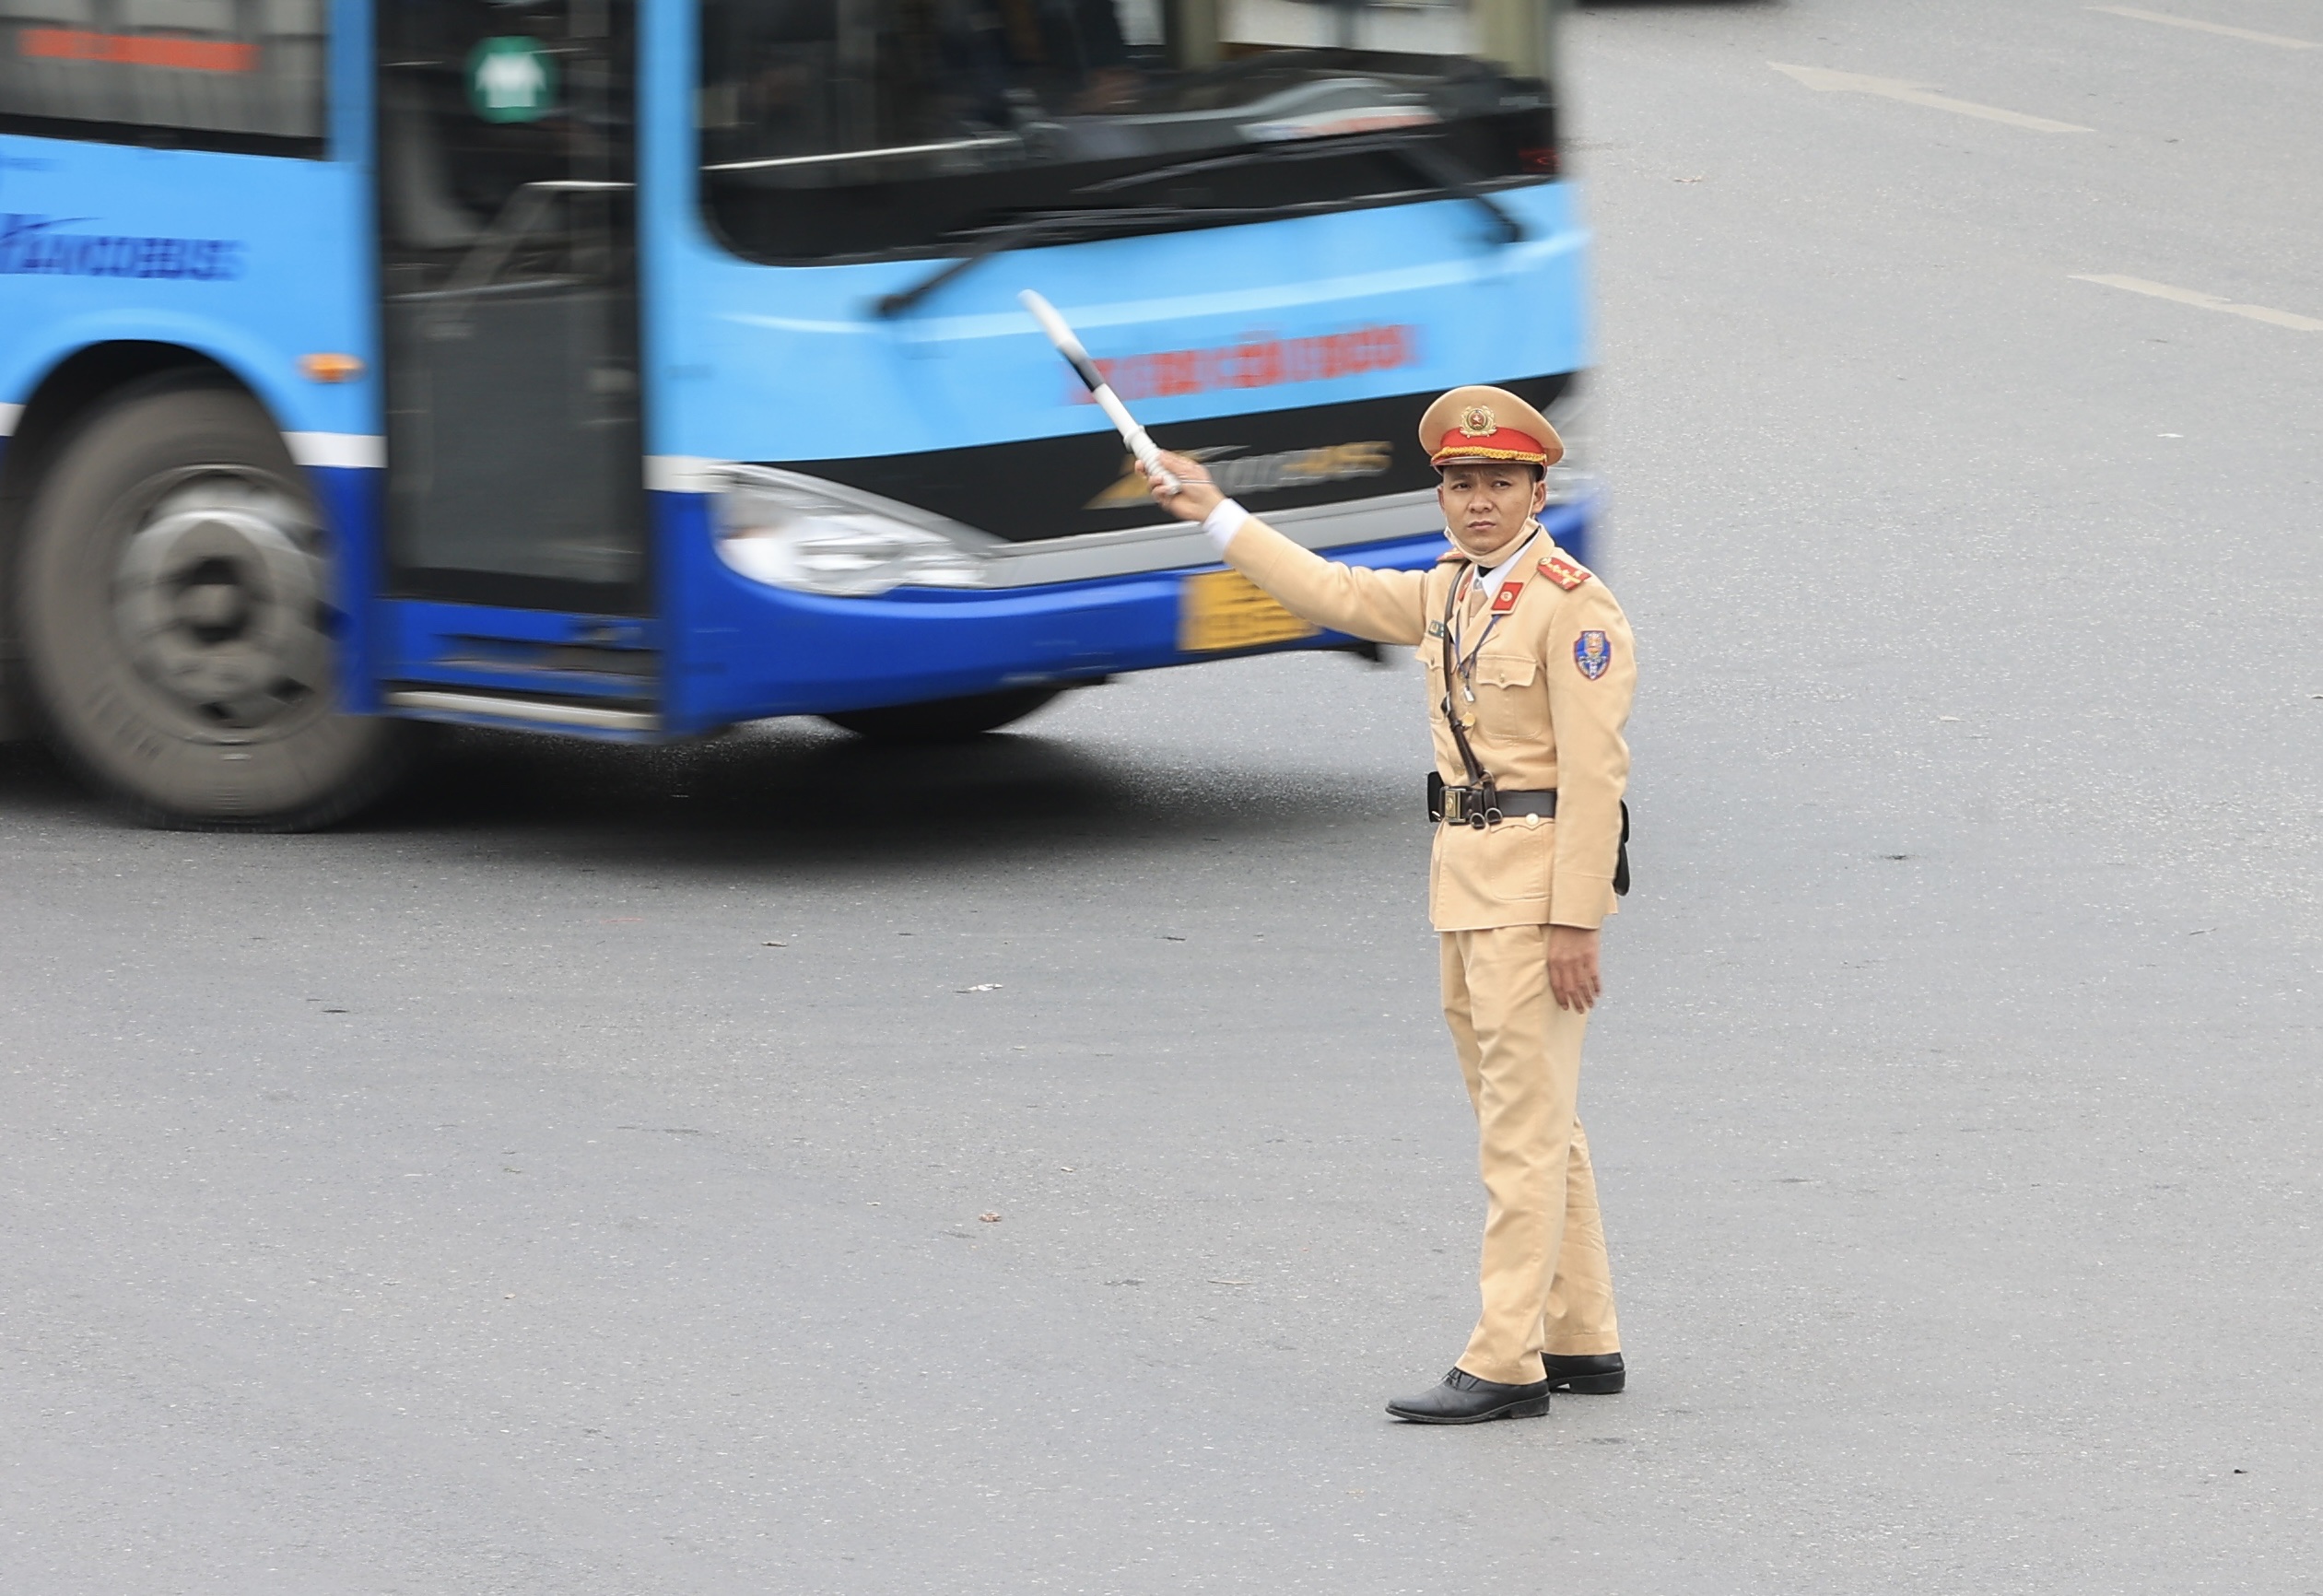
(1477,421)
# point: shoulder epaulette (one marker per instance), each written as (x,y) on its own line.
(1563,572)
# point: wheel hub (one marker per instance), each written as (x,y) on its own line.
(220,597)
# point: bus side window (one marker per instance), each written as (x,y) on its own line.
(229,73)
(43,80)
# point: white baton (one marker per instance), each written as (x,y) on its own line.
(1140,445)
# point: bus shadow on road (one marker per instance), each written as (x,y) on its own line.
(786,790)
(33,786)
(781,792)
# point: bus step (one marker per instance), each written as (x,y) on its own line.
(525,715)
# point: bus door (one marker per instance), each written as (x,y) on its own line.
(516,522)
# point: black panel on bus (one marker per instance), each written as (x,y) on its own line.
(1271,460)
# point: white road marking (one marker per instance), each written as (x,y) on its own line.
(2277,40)
(2206,301)
(1829,82)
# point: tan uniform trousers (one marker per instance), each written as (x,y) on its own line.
(1545,1280)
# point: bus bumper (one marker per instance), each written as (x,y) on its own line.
(749,651)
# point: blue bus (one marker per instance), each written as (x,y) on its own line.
(632,369)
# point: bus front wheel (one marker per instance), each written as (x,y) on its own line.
(945,719)
(178,608)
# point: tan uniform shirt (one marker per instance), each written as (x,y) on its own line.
(1553,683)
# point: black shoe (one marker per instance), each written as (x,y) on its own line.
(1463,1399)
(1598,1373)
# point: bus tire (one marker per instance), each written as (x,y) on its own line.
(945,719)
(177,606)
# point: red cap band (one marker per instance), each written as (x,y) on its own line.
(1501,443)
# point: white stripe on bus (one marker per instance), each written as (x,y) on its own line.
(685,474)
(348,450)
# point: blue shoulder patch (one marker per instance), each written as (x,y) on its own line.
(1592,653)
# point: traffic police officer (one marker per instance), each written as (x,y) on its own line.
(1530,676)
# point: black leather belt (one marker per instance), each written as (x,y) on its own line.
(1483,806)
(1487,805)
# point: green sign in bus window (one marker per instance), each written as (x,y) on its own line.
(511,79)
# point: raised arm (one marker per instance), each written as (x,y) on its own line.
(1386,607)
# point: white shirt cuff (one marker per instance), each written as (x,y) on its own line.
(1225,519)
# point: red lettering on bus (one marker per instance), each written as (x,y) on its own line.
(1260,363)
(136,50)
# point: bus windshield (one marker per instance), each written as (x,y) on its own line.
(881,129)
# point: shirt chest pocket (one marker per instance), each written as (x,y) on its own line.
(1512,701)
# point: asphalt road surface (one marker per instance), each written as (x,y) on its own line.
(570,1179)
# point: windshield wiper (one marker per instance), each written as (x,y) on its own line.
(1444,171)
(1053,227)
(1425,156)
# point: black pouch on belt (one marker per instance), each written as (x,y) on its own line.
(1620,860)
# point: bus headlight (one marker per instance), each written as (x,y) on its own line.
(1570,484)
(798,531)
(1570,481)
